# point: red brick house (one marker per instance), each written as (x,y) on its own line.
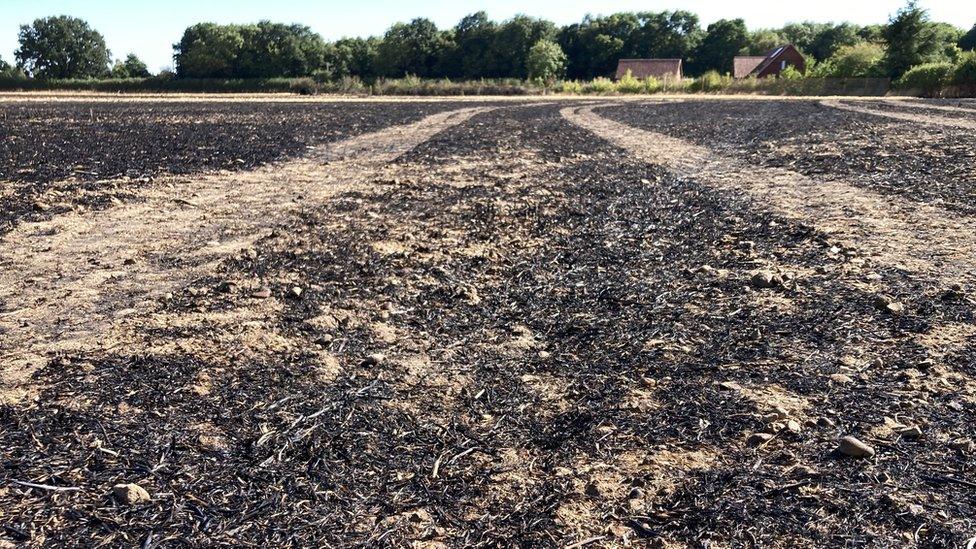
(770,64)
(662,69)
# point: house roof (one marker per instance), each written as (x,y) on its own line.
(642,68)
(749,65)
(743,66)
(772,58)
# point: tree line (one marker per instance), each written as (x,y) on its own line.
(478,48)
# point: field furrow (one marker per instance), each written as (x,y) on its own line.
(917,238)
(906,116)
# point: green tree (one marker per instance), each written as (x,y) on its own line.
(594,46)
(352,57)
(804,35)
(545,62)
(131,67)
(264,50)
(832,38)
(968,41)
(912,40)
(513,41)
(764,41)
(413,48)
(964,73)
(861,60)
(666,34)
(474,36)
(821,40)
(277,50)
(9,71)
(208,50)
(62,47)
(944,38)
(872,33)
(724,39)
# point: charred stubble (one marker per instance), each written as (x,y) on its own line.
(59,156)
(572,349)
(925,162)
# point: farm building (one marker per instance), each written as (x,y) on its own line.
(662,69)
(770,64)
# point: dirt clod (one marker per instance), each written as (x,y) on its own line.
(964,445)
(889,305)
(842,379)
(804,471)
(766,279)
(375,359)
(910,432)
(853,447)
(130,494)
(759,439)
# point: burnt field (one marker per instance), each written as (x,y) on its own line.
(704,323)
(70,154)
(935,163)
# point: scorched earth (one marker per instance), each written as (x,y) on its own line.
(679,322)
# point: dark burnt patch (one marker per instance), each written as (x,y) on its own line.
(923,162)
(97,152)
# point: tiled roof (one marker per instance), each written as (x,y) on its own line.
(744,66)
(771,58)
(642,68)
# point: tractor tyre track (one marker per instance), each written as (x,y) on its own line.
(909,117)
(917,238)
(916,104)
(77,281)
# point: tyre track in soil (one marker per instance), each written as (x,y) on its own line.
(916,104)
(78,282)
(929,244)
(908,117)
(926,243)
(921,239)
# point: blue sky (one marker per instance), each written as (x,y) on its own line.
(150,28)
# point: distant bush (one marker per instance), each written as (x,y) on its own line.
(417,86)
(791,73)
(964,73)
(350,84)
(652,85)
(929,79)
(545,62)
(413,86)
(165,82)
(571,87)
(861,60)
(599,86)
(304,86)
(11,73)
(712,81)
(131,67)
(629,84)
(676,85)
